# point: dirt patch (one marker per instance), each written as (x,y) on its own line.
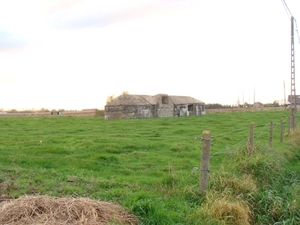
(43,209)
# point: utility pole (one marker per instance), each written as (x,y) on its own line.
(293,89)
(284,98)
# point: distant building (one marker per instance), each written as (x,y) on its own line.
(89,110)
(59,113)
(291,99)
(160,105)
(258,105)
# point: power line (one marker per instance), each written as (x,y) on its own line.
(297,30)
(290,15)
(288,11)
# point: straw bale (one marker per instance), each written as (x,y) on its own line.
(43,209)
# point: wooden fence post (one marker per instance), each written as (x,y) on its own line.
(289,125)
(271,135)
(281,130)
(251,139)
(204,167)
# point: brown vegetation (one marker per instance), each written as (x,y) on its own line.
(49,210)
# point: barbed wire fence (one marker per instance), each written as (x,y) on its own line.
(207,139)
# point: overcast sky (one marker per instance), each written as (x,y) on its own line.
(72,54)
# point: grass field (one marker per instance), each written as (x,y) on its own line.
(151,166)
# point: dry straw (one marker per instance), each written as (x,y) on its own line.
(43,209)
(225,209)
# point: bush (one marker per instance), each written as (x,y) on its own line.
(99,112)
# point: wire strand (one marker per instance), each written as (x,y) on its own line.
(297,31)
(290,15)
(287,10)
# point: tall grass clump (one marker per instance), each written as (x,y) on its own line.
(275,200)
(226,201)
(223,209)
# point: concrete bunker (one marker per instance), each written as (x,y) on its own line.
(160,105)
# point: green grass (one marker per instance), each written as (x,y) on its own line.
(149,166)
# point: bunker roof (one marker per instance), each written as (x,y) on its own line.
(177,100)
(151,100)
